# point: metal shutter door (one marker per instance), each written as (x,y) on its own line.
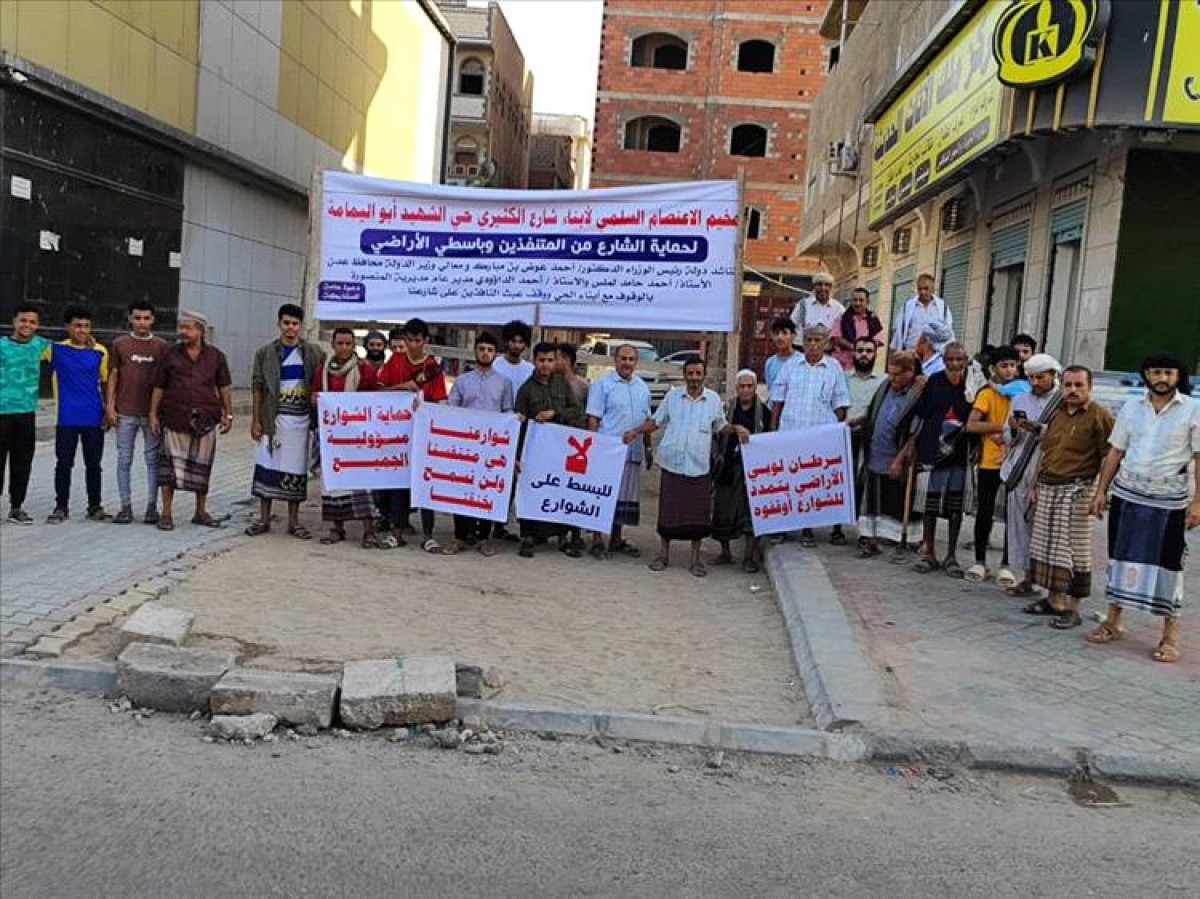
(1008,245)
(956,272)
(1066,222)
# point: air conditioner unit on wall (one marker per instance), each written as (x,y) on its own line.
(841,158)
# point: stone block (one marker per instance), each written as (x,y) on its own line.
(293,698)
(469,681)
(395,692)
(242,727)
(168,678)
(153,623)
(51,647)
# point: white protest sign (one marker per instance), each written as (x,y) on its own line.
(646,257)
(570,476)
(365,440)
(799,479)
(464,460)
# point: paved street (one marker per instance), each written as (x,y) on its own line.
(98,804)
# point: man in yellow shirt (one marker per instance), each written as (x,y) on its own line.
(989,414)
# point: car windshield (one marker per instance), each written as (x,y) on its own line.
(647,354)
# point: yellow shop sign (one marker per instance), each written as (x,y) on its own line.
(1038,42)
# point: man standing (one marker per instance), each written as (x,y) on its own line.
(731,516)
(482,387)
(618,402)
(1073,448)
(1156,439)
(419,372)
(281,421)
(20,370)
(190,404)
(934,337)
(80,367)
(375,345)
(545,397)
(919,311)
(567,354)
(820,308)
(887,449)
(691,415)
(783,338)
(942,453)
(344,372)
(132,365)
(862,383)
(1023,436)
(516,336)
(811,390)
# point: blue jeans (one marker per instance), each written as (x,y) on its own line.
(66,439)
(127,431)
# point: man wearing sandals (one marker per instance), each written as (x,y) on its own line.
(1155,440)
(618,402)
(191,403)
(282,421)
(480,388)
(810,390)
(344,372)
(1073,448)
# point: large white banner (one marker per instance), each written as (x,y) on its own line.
(366,439)
(463,460)
(799,479)
(570,476)
(649,257)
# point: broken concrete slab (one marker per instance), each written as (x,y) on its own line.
(242,727)
(154,623)
(292,697)
(169,678)
(395,692)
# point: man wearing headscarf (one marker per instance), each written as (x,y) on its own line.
(191,403)
(1028,413)
(934,337)
(731,505)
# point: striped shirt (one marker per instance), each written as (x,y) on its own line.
(810,392)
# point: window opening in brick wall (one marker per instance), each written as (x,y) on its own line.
(753,219)
(835,53)
(470,77)
(659,51)
(748,140)
(756,56)
(653,133)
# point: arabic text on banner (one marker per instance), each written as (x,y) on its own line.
(660,257)
(799,479)
(464,460)
(366,440)
(570,476)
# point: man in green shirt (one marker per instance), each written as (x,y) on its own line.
(20,371)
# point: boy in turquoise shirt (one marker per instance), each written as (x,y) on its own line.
(20,370)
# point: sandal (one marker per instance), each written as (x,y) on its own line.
(626,548)
(206,521)
(334,536)
(597,551)
(300,532)
(698,570)
(808,541)
(389,541)
(750,566)
(977,573)
(952,569)
(257,528)
(570,550)
(1105,633)
(58,516)
(432,546)
(453,549)
(526,550)
(486,549)
(925,564)
(1041,607)
(165,523)
(837,538)
(1022,590)
(658,564)
(1005,577)
(1166,652)
(1066,620)
(369,541)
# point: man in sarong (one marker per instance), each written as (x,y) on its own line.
(281,421)
(1073,447)
(344,372)
(191,403)
(887,453)
(618,402)
(731,505)
(1155,441)
(691,416)
(1028,412)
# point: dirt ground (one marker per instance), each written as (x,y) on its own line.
(564,631)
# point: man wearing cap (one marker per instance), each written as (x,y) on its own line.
(819,308)
(190,404)
(917,312)
(934,337)
(1028,415)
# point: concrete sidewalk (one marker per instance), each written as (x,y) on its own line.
(924,662)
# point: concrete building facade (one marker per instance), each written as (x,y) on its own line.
(165,150)
(700,89)
(560,152)
(1046,195)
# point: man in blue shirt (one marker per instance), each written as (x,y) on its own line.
(20,370)
(80,367)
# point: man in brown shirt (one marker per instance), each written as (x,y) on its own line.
(132,362)
(190,403)
(1074,443)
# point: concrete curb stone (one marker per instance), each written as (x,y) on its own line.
(170,679)
(292,697)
